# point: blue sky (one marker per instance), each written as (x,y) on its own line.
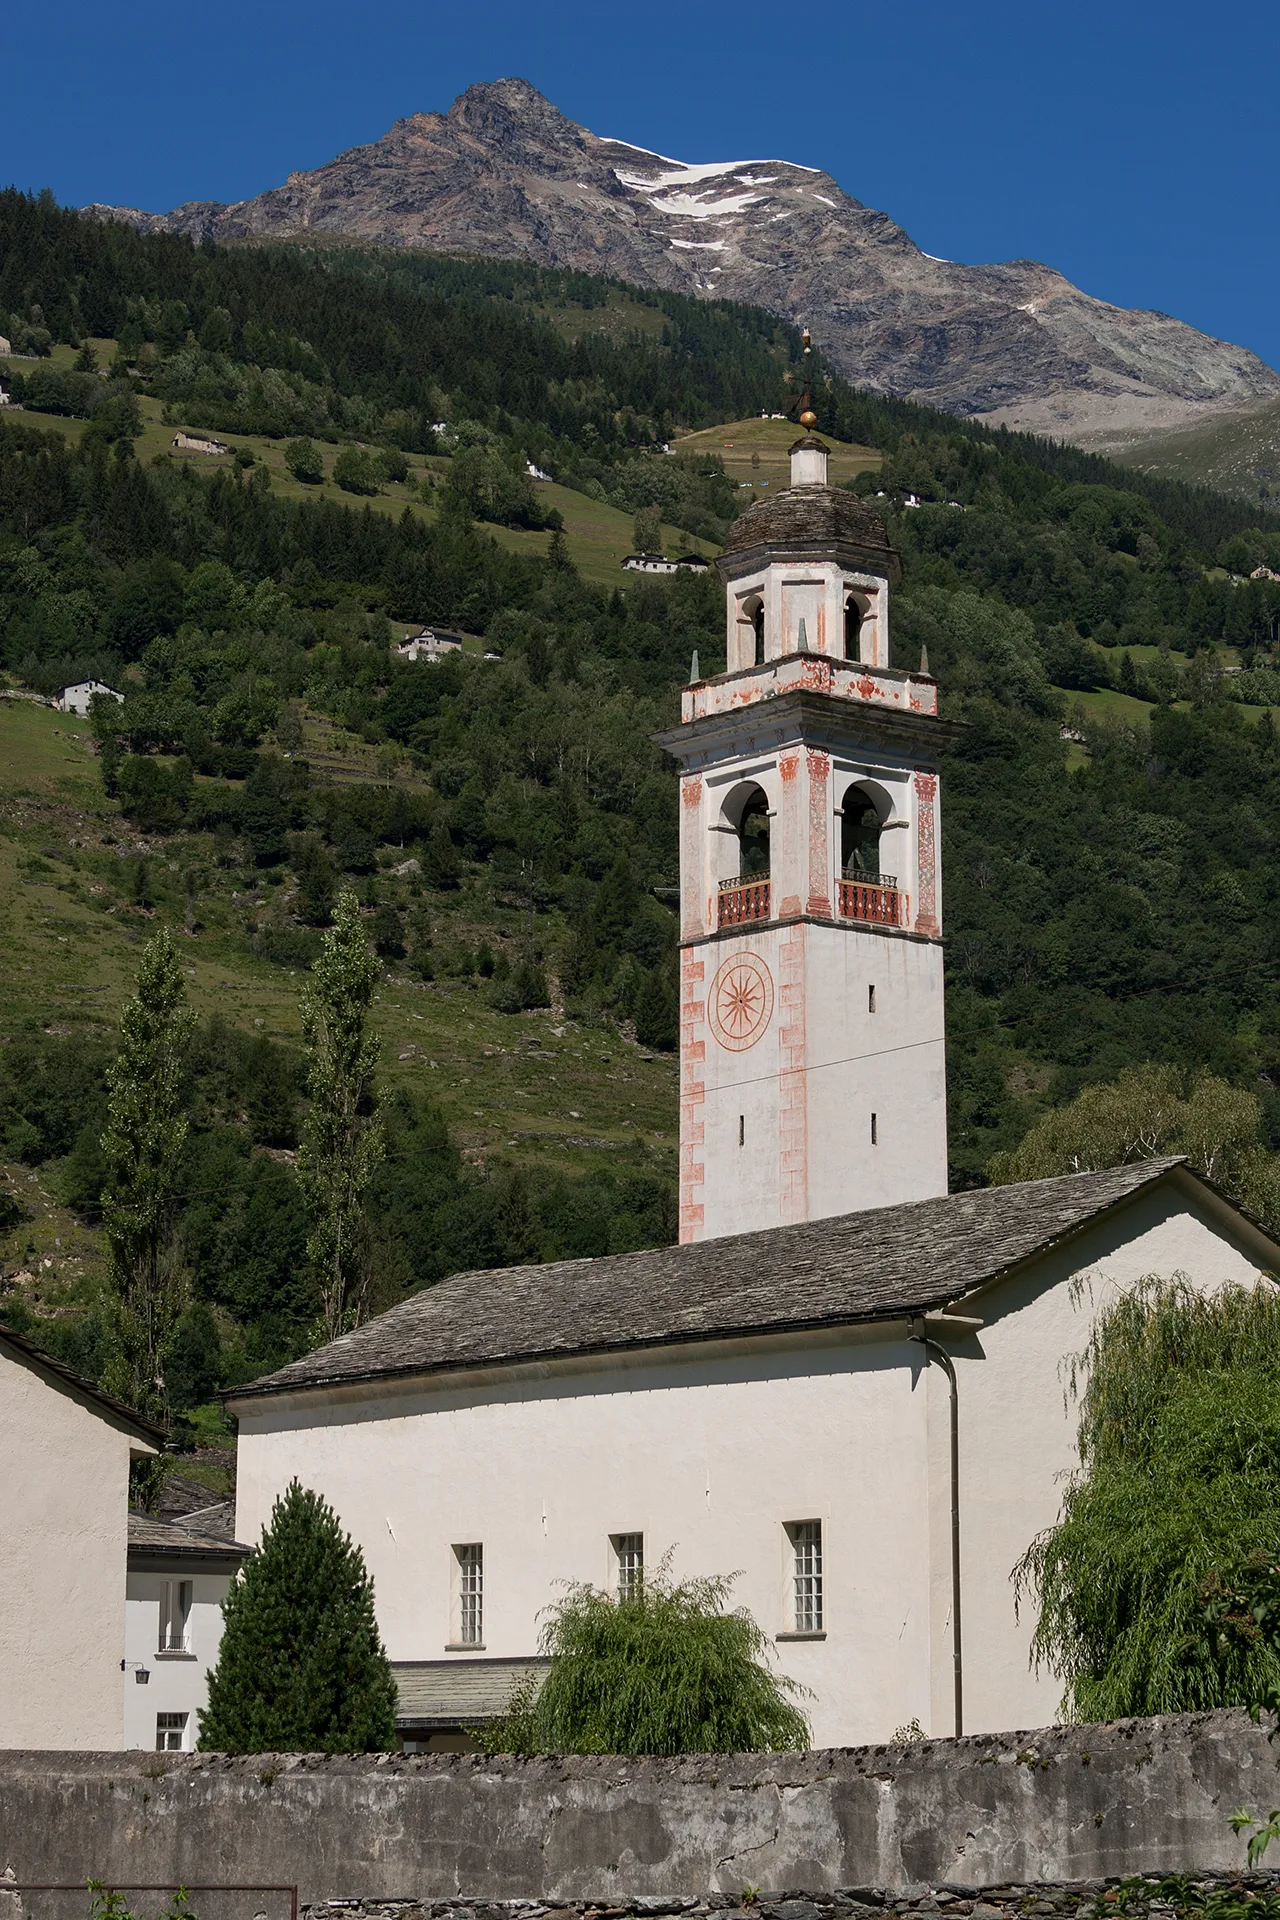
(1132,146)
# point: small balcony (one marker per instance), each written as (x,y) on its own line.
(873,897)
(743,900)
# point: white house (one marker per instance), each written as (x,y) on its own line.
(66,1449)
(844,1383)
(79,698)
(179,1573)
(658,563)
(432,644)
(193,440)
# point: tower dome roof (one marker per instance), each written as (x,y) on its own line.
(810,522)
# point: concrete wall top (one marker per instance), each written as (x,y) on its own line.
(1062,1804)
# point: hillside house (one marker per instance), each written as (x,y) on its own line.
(192,440)
(80,697)
(432,645)
(67,1449)
(658,563)
(180,1569)
(844,1382)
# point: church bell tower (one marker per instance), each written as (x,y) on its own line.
(812,1045)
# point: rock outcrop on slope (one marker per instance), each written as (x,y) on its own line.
(504,173)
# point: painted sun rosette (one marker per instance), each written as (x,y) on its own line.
(740,1004)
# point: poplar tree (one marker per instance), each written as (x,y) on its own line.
(342,1139)
(143,1145)
(301,1666)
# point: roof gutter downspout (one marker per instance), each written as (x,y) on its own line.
(944,1360)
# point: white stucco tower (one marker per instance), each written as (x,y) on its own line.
(812,1045)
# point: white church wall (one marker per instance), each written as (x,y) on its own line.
(1018,1429)
(711,1455)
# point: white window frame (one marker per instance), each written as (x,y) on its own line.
(468,1595)
(175,1617)
(807,1597)
(167,1725)
(628,1563)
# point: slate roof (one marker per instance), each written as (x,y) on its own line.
(827,520)
(65,1376)
(457,1693)
(877,1265)
(149,1534)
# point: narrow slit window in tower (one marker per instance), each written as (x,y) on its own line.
(742,1129)
(871,999)
(874,1132)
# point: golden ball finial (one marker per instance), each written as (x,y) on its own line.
(808,420)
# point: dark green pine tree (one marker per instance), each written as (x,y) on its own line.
(301,1667)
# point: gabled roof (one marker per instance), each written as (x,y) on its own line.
(150,1535)
(885,1264)
(62,1376)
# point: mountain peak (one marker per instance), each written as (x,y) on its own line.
(503,112)
(505,174)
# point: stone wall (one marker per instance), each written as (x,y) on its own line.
(1063,1805)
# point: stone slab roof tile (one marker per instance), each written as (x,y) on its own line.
(876,1265)
(455,1693)
(821,518)
(148,1533)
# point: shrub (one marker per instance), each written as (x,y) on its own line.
(357,471)
(661,1669)
(303,460)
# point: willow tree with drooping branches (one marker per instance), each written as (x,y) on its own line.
(342,1140)
(1159,1587)
(665,1667)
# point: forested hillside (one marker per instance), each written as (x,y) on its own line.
(1111,812)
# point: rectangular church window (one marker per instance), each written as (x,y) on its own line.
(806,1579)
(469,1594)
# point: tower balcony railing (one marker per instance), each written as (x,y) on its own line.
(871,896)
(743,899)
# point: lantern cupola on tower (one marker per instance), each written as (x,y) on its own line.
(812,1046)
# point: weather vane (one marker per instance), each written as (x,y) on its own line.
(804,399)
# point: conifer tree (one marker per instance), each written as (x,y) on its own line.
(301,1667)
(342,1139)
(143,1144)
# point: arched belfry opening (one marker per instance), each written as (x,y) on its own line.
(860,826)
(855,612)
(744,855)
(753,836)
(756,609)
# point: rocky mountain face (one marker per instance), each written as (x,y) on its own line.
(505,173)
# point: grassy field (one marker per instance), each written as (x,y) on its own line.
(534,1089)
(598,536)
(754,453)
(1228,452)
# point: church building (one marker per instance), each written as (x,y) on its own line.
(844,1385)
